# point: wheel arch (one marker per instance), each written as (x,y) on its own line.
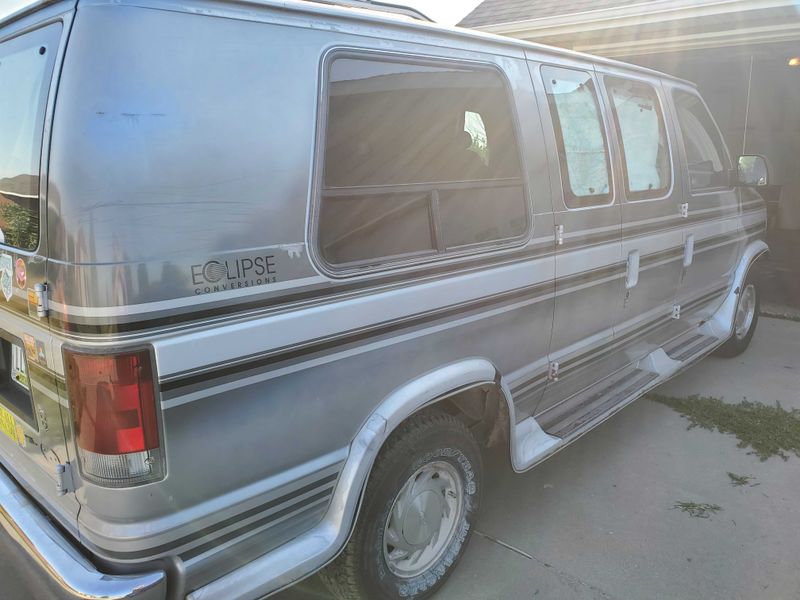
(721,324)
(441,385)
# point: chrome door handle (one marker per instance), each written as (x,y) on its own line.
(688,250)
(559,235)
(632,275)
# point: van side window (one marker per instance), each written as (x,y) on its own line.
(581,136)
(643,137)
(420,159)
(705,150)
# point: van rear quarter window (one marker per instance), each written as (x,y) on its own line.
(26,66)
(419,159)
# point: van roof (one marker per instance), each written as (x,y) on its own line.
(372,11)
(375,11)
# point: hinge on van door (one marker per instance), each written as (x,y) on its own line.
(63,479)
(37,301)
(552,371)
(676,311)
(685,210)
(559,235)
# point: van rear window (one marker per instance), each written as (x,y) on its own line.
(26,66)
(419,159)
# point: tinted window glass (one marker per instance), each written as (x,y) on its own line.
(26,65)
(581,136)
(419,159)
(640,125)
(705,151)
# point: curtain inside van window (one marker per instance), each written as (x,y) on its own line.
(580,134)
(26,66)
(644,141)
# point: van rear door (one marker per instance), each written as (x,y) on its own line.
(32,419)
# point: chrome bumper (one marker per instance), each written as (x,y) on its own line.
(50,566)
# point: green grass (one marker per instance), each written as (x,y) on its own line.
(767,430)
(698,510)
(740,480)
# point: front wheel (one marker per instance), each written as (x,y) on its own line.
(744,322)
(418,513)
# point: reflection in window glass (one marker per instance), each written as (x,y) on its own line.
(26,64)
(419,159)
(705,151)
(474,126)
(640,125)
(581,137)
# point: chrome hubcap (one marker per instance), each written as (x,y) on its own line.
(423,520)
(745,311)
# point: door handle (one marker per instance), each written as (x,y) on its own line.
(632,275)
(688,250)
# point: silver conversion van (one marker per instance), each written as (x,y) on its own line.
(274,272)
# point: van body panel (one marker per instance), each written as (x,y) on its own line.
(133,258)
(180,201)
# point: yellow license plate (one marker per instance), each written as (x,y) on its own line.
(7,424)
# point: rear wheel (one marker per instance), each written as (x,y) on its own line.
(418,513)
(744,322)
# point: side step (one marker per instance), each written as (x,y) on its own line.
(691,345)
(569,416)
(537,437)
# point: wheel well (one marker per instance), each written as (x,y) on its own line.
(483,409)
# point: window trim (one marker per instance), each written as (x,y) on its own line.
(642,196)
(726,153)
(439,253)
(612,195)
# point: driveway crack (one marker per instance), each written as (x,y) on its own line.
(563,575)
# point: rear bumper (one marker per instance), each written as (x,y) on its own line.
(50,566)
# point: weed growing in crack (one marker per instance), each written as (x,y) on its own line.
(740,480)
(700,510)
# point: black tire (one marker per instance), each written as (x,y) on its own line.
(738,343)
(361,572)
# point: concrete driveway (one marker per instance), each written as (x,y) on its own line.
(597,520)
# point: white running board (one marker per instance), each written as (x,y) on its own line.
(659,363)
(530,444)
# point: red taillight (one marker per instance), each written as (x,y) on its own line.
(113,403)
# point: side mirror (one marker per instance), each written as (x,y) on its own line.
(753,170)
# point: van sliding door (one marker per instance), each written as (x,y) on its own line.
(587,219)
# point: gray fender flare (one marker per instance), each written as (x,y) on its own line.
(400,404)
(721,324)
